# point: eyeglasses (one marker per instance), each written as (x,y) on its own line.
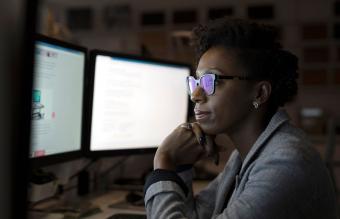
(208,82)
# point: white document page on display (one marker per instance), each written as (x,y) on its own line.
(136,103)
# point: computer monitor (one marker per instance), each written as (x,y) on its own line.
(136,102)
(57,101)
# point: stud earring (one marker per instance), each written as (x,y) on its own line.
(256,105)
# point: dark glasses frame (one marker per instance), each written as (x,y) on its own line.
(215,77)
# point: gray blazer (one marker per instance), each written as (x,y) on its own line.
(282,176)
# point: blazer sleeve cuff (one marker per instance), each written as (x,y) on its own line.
(160,175)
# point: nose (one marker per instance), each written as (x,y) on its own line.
(198,95)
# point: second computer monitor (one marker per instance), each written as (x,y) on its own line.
(136,102)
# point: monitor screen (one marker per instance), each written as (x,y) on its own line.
(136,102)
(57,98)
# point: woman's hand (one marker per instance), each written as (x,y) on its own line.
(185,145)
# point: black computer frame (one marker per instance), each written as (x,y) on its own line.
(37,162)
(119,152)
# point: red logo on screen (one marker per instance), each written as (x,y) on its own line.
(39,153)
(53,115)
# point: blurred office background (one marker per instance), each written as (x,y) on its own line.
(161,29)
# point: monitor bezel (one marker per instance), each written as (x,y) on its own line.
(47,160)
(92,62)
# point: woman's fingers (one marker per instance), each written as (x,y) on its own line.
(200,136)
(196,130)
(186,126)
(209,148)
(207,142)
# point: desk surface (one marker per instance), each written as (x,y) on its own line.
(110,202)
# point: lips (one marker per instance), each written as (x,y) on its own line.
(201,115)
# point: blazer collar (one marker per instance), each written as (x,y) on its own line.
(276,121)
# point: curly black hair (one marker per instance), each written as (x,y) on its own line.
(258,51)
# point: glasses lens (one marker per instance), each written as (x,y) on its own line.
(207,82)
(192,84)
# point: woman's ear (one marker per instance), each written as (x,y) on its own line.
(263,91)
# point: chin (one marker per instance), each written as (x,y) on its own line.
(210,129)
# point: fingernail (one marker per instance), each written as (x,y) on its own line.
(189,126)
(202,140)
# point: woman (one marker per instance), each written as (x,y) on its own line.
(243,77)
